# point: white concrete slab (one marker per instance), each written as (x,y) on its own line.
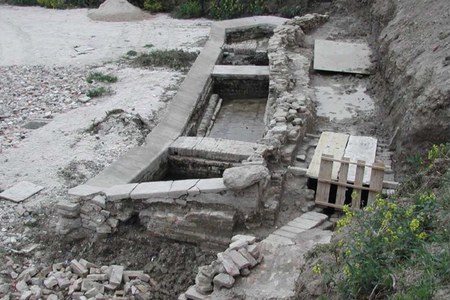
(330,143)
(227,71)
(342,57)
(361,148)
(21,191)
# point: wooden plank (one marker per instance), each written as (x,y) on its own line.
(330,143)
(323,188)
(376,182)
(361,148)
(359,176)
(343,172)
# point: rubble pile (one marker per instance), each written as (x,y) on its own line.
(79,280)
(242,255)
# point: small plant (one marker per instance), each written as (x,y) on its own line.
(23,2)
(132,53)
(100,77)
(96,92)
(148,46)
(175,59)
(292,11)
(226,9)
(188,10)
(51,3)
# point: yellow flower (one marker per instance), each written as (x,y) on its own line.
(316,269)
(347,271)
(421,236)
(414,225)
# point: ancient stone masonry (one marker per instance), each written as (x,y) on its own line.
(202,211)
(290,109)
(242,255)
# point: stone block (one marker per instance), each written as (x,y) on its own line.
(50,282)
(240,261)
(85,191)
(116,275)
(246,238)
(21,191)
(211,185)
(228,264)
(244,252)
(100,201)
(193,294)
(120,192)
(277,240)
(181,187)
(303,223)
(294,230)
(223,280)
(153,189)
(68,206)
(78,268)
(284,233)
(238,244)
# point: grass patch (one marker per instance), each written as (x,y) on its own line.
(132,53)
(148,46)
(175,59)
(96,92)
(188,10)
(397,248)
(100,77)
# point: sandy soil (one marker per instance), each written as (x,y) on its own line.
(36,36)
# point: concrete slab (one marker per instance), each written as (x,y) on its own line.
(155,189)
(361,148)
(331,143)
(342,57)
(21,191)
(119,192)
(211,185)
(182,187)
(240,72)
(85,191)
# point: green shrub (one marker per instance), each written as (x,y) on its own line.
(22,2)
(132,53)
(153,6)
(175,59)
(100,77)
(96,92)
(190,9)
(226,9)
(292,11)
(51,3)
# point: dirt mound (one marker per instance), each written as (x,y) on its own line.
(117,11)
(414,72)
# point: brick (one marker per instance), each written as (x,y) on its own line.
(240,261)
(237,245)
(100,201)
(130,275)
(246,238)
(228,264)
(223,280)
(116,275)
(97,277)
(244,252)
(78,268)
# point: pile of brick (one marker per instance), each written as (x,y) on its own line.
(81,280)
(242,255)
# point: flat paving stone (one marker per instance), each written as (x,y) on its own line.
(211,185)
(119,192)
(151,189)
(342,57)
(21,191)
(278,240)
(182,187)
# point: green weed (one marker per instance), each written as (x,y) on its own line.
(96,92)
(174,59)
(100,77)
(188,10)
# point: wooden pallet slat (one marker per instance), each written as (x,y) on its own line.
(343,173)
(376,181)
(325,172)
(358,184)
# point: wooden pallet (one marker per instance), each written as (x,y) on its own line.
(343,182)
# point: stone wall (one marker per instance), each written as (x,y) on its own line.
(202,211)
(230,89)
